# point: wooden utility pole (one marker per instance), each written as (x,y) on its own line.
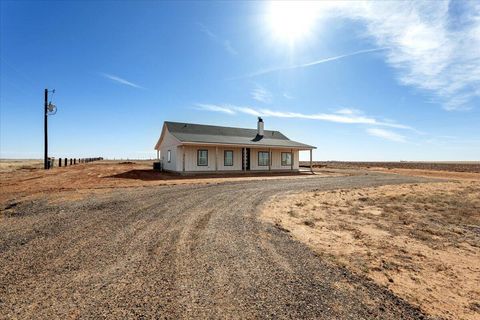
(45,121)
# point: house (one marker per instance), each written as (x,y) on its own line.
(189,148)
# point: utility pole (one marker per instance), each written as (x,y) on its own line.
(49,109)
(45,114)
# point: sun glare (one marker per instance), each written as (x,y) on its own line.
(291,21)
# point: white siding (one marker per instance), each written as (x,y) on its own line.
(191,159)
(276,159)
(177,154)
(169,143)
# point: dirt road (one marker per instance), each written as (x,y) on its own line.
(185,251)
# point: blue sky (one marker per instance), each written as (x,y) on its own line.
(359,80)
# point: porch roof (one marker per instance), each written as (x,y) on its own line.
(190,133)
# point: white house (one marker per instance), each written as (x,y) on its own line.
(188,148)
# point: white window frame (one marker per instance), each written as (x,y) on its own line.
(198,158)
(169,156)
(288,160)
(267,159)
(225,158)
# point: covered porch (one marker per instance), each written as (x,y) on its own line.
(224,158)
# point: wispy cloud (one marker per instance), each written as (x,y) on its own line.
(308,64)
(121,80)
(227,45)
(386,134)
(230,49)
(348,111)
(215,108)
(288,96)
(261,94)
(354,117)
(433,45)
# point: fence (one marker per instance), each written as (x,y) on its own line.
(64,162)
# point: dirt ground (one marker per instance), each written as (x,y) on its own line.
(114,239)
(448,166)
(74,245)
(24,179)
(422,241)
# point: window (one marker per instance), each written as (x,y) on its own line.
(263,158)
(286,158)
(202,157)
(228,158)
(169,156)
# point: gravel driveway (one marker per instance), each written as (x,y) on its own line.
(191,251)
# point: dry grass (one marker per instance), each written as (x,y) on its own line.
(420,240)
(11,165)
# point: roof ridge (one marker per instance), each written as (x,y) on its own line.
(217,126)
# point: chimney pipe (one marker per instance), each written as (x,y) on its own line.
(260,126)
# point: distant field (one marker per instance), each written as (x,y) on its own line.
(7,165)
(460,166)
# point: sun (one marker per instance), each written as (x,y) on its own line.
(291,21)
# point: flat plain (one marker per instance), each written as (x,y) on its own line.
(114,239)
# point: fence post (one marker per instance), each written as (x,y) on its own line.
(59,162)
(65,162)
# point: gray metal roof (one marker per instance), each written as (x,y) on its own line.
(199,133)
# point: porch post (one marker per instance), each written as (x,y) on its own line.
(216,158)
(183,158)
(244,159)
(311,168)
(291,164)
(269,159)
(158,156)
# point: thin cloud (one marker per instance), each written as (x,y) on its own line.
(308,64)
(352,118)
(386,134)
(215,108)
(433,45)
(261,94)
(227,45)
(121,80)
(348,111)
(230,49)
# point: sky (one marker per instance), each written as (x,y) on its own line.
(385,81)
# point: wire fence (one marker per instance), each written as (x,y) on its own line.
(65,162)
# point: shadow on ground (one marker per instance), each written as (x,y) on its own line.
(151,175)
